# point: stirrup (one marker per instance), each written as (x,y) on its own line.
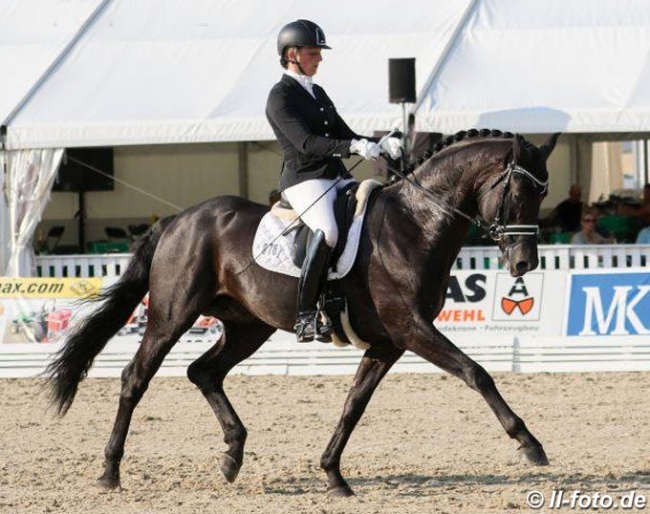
(305,327)
(324,332)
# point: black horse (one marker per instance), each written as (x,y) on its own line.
(200,262)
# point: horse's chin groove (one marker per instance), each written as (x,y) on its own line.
(229,467)
(342,491)
(534,455)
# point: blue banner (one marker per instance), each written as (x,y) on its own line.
(616,304)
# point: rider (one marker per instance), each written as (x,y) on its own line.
(313,138)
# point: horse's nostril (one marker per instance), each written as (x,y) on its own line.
(522,267)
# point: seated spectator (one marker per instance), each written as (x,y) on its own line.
(567,214)
(588,235)
(643,237)
(640,211)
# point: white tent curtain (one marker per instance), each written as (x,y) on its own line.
(30,174)
(5,238)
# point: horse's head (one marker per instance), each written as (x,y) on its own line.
(510,199)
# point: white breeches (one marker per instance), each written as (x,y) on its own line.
(320,215)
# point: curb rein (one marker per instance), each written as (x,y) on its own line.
(497,230)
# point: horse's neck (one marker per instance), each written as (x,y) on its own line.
(442,193)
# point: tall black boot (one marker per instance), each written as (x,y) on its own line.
(311,278)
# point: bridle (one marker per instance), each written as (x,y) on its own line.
(497,230)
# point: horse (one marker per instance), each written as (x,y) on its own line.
(200,262)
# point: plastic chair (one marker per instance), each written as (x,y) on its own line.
(53,237)
(137,231)
(116,234)
(560,238)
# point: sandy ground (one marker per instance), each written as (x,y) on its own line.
(426,444)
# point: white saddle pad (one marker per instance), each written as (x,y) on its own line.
(272,247)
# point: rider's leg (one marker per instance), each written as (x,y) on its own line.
(314,201)
(309,285)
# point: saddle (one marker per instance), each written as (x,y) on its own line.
(344,208)
(349,210)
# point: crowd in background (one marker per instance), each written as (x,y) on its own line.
(616,220)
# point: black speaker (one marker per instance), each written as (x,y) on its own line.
(74,176)
(401,80)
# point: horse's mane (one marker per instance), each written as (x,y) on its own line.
(456,138)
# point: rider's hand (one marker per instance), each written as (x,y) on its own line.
(365,148)
(392,146)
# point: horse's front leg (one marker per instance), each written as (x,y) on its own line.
(433,346)
(373,367)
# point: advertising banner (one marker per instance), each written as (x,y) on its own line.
(609,303)
(42,310)
(495,302)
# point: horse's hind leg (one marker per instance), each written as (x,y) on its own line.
(208,372)
(443,353)
(375,364)
(169,317)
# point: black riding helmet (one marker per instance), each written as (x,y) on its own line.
(300,33)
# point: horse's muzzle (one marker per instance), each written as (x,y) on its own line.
(521,256)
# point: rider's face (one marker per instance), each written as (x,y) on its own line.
(309,58)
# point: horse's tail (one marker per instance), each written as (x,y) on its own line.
(72,362)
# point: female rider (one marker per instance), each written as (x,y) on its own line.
(313,138)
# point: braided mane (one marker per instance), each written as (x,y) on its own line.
(457,137)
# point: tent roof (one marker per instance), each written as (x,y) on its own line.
(33,33)
(117,72)
(543,66)
(156,71)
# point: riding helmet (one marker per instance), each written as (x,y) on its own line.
(301,33)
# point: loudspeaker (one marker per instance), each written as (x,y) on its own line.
(401,80)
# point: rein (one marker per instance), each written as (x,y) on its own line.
(497,230)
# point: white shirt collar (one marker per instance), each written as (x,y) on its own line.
(303,80)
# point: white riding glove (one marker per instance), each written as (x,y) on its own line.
(365,148)
(392,146)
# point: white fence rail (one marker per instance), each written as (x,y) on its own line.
(281,355)
(470,258)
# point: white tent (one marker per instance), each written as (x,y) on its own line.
(156,71)
(121,72)
(118,72)
(539,66)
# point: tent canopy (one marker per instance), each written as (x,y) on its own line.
(118,72)
(157,71)
(541,66)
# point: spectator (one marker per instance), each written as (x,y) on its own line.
(567,214)
(588,235)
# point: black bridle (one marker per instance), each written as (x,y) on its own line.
(497,230)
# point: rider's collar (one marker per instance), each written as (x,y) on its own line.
(303,80)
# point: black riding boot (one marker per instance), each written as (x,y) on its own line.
(313,275)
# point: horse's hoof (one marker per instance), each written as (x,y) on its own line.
(342,491)
(533,455)
(229,467)
(108,482)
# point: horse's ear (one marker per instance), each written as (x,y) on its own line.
(516,144)
(548,145)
